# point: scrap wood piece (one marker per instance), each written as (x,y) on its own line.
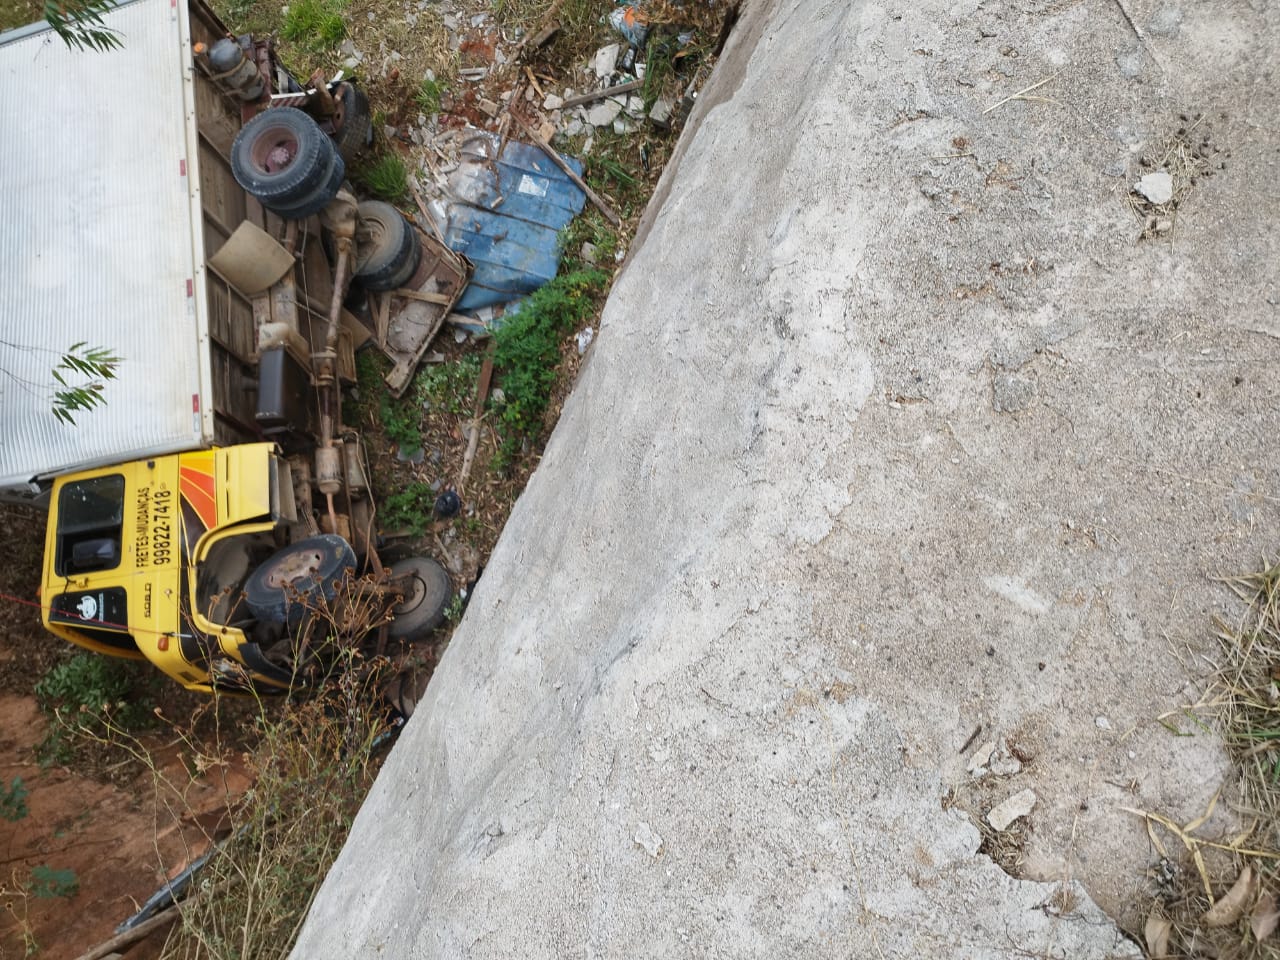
(533,82)
(426,214)
(142,930)
(1021,94)
(437,298)
(482,394)
(581,184)
(582,98)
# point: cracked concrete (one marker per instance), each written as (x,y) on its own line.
(893,430)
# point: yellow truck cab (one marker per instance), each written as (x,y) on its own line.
(142,560)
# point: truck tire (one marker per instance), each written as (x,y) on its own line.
(356,122)
(291,579)
(318,199)
(389,249)
(281,156)
(427,593)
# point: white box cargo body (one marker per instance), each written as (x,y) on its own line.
(114,187)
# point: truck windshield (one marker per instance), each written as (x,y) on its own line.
(90,522)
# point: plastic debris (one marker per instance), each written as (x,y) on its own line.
(630,22)
(448,504)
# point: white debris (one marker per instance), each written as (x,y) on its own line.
(1019,805)
(635,107)
(1156,187)
(603,113)
(978,762)
(1102,723)
(585,336)
(647,840)
(552,102)
(623,125)
(660,113)
(606,60)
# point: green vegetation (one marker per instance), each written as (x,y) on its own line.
(528,352)
(448,387)
(88,693)
(47,883)
(408,509)
(401,422)
(13,801)
(428,96)
(453,612)
(386,177)
(315,25)
(588,227)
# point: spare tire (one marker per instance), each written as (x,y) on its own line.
(389,251)
(281,156)
(427,591)
(298,576)
(353,135)
(318,199)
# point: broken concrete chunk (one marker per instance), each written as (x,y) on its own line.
(489,107)
(552,102)
(660,113)
(1002,816)
(648,840)
(603,113)
(1156,187)
(588,253)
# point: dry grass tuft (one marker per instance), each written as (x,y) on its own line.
(1189,156)
(1218,897)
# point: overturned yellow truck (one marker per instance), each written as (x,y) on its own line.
(213,514)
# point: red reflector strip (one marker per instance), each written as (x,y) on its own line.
(182,166)
(195,403)
(191,290)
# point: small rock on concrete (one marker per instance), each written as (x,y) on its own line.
(1102,723)
(1011,392)
(1002,816)
(1166,22)
(648,840)
(552,102)
(978,762)
(1156,187)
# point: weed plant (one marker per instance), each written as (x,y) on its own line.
(527,353)
(315,25)
(386,178)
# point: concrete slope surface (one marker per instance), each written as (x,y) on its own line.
(894,428)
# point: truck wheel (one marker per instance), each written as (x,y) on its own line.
(427,589)
(281,156)
(318,199)
(356,121)
(281,589)
(389,248)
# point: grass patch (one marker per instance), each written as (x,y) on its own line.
(89,693)
(427,96)
(386,178)
(527,352)
(1218,896)
(448,387)
(409,509)
(19,13)
(315,25)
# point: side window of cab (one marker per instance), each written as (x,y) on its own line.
(90,525)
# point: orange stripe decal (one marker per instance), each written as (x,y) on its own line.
(197,489)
